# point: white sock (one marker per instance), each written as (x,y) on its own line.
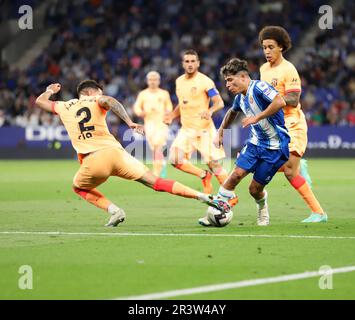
(203,197)
(225,194)
(262,203)
(112,208)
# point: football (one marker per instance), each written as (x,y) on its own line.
(217,218)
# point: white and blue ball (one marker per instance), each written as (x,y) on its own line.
(217,218)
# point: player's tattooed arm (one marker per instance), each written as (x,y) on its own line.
(110,103)
(277,104)
(43,100)
(292,98)
(228,119)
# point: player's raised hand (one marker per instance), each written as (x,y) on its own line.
(248,121)
(139,128)
(205,115)
(54,87)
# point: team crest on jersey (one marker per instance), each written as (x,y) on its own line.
(193,90)
(251,100)
(274,82)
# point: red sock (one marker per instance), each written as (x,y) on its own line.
(302,187)
(175,188)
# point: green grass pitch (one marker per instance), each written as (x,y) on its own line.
(36,196)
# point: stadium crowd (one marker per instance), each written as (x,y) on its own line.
(117,43)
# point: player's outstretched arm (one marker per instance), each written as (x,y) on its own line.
(110,103)
(277,104)
(43,100)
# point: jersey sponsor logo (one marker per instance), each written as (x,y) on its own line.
(267,91)
(274,82)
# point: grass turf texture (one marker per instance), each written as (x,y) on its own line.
(37,196)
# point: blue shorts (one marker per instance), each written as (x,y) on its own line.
(264,163)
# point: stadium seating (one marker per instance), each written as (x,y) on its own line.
(117,43)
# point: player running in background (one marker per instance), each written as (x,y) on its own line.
(100,154)
(195,91)
(283,76)
(152,104)
(266,150)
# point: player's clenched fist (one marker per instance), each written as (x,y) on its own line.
(54,88)
(138,128)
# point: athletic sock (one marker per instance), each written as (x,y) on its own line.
(226,194)
(220,174)
(261,203)
(300,184)
(176,188)
(158,162)
(95,197)
(188,167)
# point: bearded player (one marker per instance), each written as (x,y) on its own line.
(195,92)
(283,76)
(100,154)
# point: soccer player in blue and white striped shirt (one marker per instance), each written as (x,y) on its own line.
(267,147)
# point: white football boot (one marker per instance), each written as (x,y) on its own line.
(116,218)
(263,211)
(204,222)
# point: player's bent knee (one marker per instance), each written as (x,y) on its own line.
(148,179)
(81,192)
(290,172)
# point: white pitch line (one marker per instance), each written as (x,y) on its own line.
(156,234)
(238,284)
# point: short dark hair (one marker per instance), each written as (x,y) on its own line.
(233,66)
(87,84)
(279,34)
(191,52)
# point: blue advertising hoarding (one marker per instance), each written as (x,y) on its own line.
(52,142)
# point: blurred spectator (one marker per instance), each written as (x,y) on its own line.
(117,43)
